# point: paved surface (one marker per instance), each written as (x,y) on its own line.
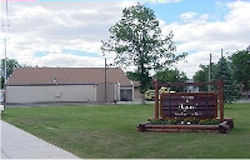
(16,143)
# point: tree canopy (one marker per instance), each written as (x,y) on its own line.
(224,72)
(202,75)
(241,67)
(221,71)
(171,75)
(136,39)
(11,65)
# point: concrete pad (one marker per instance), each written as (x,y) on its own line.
(16,143)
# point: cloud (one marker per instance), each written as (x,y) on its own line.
(163,1)
(199,36)
(188,15)
(63,60)
(53,27)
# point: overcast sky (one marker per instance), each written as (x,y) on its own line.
(67,33)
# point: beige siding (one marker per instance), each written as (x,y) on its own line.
(63,93)
(137,93)
(112,92)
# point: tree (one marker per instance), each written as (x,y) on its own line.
(11,65)
(136,39)
(224,72)
(202,75)
(241,68)
(2,83)
(134,76)
(171,75)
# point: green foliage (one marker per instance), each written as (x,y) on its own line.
(134,76)
(224,72)
(136,39)
(171,75)
(11,65)
(241,68)
(2,83)
(202,75)
(187,121)
(209,122)
(159,121)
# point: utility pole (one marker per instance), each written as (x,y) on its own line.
(209,71)
(5,71)
(221,51)
(105,81)
(5,28)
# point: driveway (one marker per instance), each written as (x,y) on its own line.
(16,143)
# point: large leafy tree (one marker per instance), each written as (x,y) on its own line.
(136,39)
(241,68)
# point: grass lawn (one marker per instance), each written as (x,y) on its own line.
(110,132)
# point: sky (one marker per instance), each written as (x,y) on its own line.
(68,33)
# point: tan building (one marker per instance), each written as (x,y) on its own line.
(43,85)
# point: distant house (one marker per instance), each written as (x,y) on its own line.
(191,89)
(42,85)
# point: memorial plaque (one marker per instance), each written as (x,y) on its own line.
(183,105)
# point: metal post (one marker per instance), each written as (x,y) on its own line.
(221,98)
(5,71)
(209,72)
(5,28)
(105,83)
(156,111)
(221,52)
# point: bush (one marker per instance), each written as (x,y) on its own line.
(186,121)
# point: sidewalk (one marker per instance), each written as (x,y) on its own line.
(16,143)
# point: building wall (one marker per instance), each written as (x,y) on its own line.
(137,93)
(59,93)
(112,92)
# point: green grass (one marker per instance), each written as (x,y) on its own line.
(110,132)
